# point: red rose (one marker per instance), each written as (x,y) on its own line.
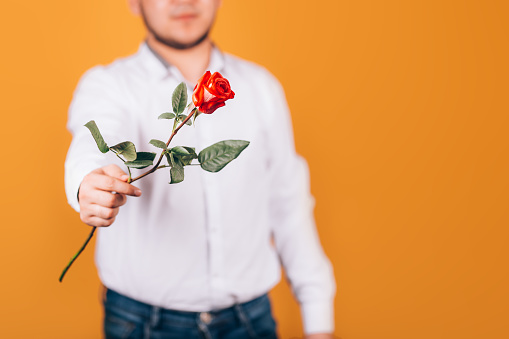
(211,92)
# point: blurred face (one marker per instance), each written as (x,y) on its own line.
(179,24)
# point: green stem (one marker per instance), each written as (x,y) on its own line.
(128,169)
(175,130)
(153,169)
(174,125)
(76,255)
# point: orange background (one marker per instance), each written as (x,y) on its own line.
(400,107)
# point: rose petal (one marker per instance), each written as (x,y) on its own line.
(210,107)
(198,96)
(211,84)
(207,96)
(198,89)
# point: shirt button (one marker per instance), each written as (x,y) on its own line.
(205,317)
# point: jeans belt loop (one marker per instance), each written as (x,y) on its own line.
(155,316)
(244,320)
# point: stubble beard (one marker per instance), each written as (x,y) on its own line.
(172,43)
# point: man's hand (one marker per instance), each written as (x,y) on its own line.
(319,336)
(101,193)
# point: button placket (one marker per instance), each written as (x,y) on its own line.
(213,205)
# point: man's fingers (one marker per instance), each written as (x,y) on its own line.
(111,184)
(96,215)
(97,222)
(115,172)
(103,212)
(107,199)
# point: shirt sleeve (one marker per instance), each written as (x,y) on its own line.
(306,266)
(97,97)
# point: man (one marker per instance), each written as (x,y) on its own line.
(195,259)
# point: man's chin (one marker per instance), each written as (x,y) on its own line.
(181,45)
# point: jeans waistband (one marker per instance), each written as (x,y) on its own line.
(115,299)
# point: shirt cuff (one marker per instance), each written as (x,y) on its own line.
(318,317)
(73,178)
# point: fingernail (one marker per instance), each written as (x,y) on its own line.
(137,192)
(124,177)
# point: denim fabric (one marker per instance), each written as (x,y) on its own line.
(126,318)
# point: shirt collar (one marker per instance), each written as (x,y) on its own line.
(159,67)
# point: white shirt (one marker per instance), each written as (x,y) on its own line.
(205,243)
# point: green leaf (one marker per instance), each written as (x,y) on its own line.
(167,155)
(179,150)
(166,115)
(171,160)
(125,149)
(215,157)
(190,150)
(145,156)
(184,154)
(143,159)
(97,136)
(187,160)
(158,143)
(176,175)
(197,112)
(139,163)
(184,159)
(179,98)
(192,154)
(182,117)
(176,170)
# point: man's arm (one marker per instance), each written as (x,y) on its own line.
(95,188)
(306,266)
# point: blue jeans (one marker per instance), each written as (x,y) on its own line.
(130,319)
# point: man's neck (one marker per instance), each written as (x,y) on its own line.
(192,62)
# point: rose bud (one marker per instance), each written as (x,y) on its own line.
(211,92)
